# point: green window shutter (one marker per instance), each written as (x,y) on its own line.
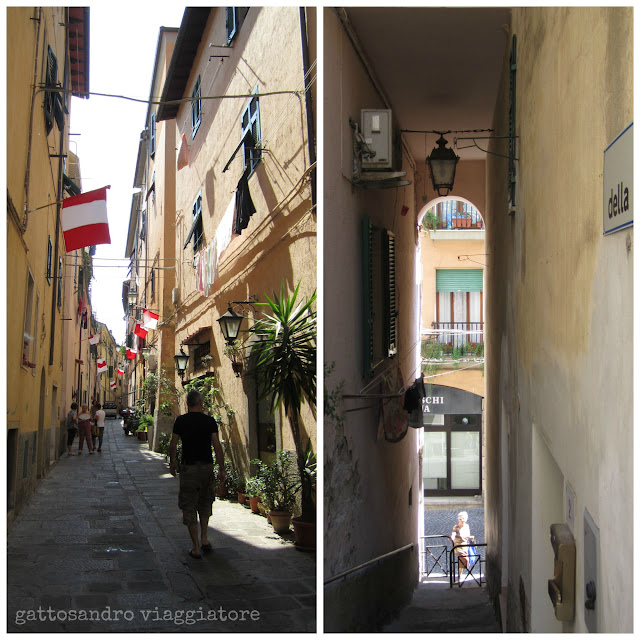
(458,280)
(391,310)
(367,294)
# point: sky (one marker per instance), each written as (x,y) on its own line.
(122,54)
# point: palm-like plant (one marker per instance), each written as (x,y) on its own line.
(285,368)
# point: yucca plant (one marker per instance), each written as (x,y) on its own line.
(285,368)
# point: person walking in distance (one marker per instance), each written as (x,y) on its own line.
(72,427)
(84,426)
(198,432)
(461,535)
(99,418)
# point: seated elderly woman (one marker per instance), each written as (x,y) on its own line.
(461,534)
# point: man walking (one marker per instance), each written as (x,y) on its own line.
(198,432)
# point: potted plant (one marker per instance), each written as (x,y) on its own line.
(253,489)
(285,369)
(234,351)
(146,421)
(431,220)
(280,489)
(305,532)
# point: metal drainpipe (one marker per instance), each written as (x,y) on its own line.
(308,103)
(29,143)
(52,340)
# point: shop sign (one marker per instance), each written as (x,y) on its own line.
(617,201)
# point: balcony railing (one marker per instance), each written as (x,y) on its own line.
(452,215)
(464,336)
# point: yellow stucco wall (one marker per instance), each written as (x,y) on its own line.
(279,245)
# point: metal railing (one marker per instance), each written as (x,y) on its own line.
(466,336)
(458,573)
(435,556)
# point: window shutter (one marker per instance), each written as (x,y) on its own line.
(458,280)
(367,293)
(391,310)
(232,13)
(152,135)
(49,260)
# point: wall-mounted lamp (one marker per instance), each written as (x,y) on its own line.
(181,360)
(442,166)
(231,322)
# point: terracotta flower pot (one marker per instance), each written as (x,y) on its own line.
(305,535)
(281,520)
(253,502)
(242,499)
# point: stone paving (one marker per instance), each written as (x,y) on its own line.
(101,547)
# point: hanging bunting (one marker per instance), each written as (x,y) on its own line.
(140,331)
(150,319)
(102,365)
(84,220)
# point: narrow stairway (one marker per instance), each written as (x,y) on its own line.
(435,608)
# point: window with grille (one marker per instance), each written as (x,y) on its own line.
(196,108)
(380,302)
(251,133)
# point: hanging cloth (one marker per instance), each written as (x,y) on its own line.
(244,205)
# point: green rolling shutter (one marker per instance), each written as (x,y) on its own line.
(458,280)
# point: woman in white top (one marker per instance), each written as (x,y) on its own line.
(99,416)
(461,535)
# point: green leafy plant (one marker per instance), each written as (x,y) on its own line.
(280,482)
(286,367)
(214,403)
(430,220)
(254,487)
(146,421)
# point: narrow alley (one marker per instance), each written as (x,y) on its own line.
(101,547)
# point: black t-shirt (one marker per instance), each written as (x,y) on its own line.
(195,429)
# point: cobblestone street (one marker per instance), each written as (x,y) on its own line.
(101,547)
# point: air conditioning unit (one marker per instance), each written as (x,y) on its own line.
(377,151)
(377,133)
(174,295)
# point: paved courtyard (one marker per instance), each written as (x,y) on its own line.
(101,547)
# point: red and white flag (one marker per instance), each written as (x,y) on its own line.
(140,331)
(120,372)
(150,319)
(94,339)
(84,220)
(102,365)
(113,384)
(132,353)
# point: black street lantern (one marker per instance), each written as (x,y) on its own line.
(230,325)
(181,363)
(442,166)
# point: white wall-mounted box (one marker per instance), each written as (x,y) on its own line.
(376,128)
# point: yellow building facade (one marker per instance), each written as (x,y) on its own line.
(261,60)
(41,78)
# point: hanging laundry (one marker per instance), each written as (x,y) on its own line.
(244,205)
(183,154)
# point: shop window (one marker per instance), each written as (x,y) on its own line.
(452,455)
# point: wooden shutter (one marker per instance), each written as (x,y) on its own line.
(391,310)
(367,294)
